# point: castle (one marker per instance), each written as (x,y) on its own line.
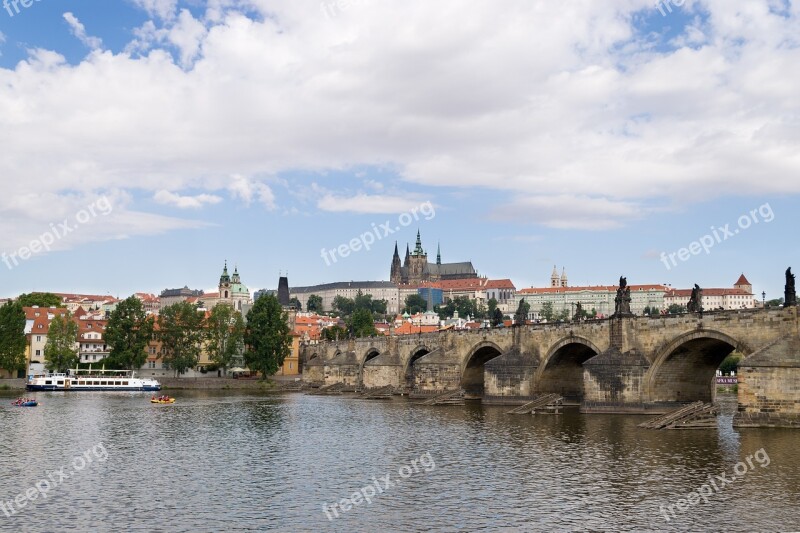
(416,268)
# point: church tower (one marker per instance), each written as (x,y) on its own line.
(555,280)
(396,275)
(225,284)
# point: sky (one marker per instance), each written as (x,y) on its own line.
(145,142)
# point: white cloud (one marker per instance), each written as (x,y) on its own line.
(539,99)
(185,202)
(79,31)
(163,9)
(367,203)
(248,191)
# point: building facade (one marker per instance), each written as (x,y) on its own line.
(380,290)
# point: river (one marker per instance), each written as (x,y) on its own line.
(227,461)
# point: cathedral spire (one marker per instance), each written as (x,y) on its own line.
(418,248)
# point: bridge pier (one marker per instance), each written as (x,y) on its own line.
(769,386)
(508,379)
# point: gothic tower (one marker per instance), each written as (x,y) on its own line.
(396,275)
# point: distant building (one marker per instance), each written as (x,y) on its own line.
(739,297)
(173,296)
(380,290)
(416,268)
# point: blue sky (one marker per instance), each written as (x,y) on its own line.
(594,137)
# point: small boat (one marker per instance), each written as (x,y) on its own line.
(25,402)
(162,399)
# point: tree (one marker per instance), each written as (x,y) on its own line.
(41,299)
(60,351)
(547,311)
(730,363)
(267,336)
(522,312)
(361,324)
(180,330)
(492,305)
(344,306)
(676,309)
(224,334)
(334,333)
(12,337)
(415,304)
(497,317)
(777,302)
(314,304)
(379,306)
(128,332)
(294,302)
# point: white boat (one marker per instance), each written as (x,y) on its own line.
(92,380)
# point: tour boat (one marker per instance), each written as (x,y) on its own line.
(92,380)
(25,402)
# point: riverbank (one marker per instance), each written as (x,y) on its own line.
(275,383)
(12,384)
(272,384)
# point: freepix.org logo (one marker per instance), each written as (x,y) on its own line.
(10,5)
(57,231)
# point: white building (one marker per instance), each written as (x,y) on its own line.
(739,297)
(380,290)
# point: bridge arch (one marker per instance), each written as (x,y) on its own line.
(372,353)
(561,370)
(408,372)
(684,370)
(472,368)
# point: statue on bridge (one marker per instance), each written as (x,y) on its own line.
(789,294)
(695,304)
(622,303)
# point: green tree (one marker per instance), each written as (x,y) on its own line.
(522,312)
(180,330)
(224,335)
(343,306)
(42,299)
(497,317)
(547,311)
(730,363)
(361,324)
(314,304)
(12,337)
(61,351)
(294,302)
(128,332)
(334,333)
(415,304)
(267,336)
(379,306)
(676,309)
(777,302)
(491,306)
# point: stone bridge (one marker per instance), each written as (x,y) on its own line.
(631,364)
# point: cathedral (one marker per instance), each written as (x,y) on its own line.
(416,269)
